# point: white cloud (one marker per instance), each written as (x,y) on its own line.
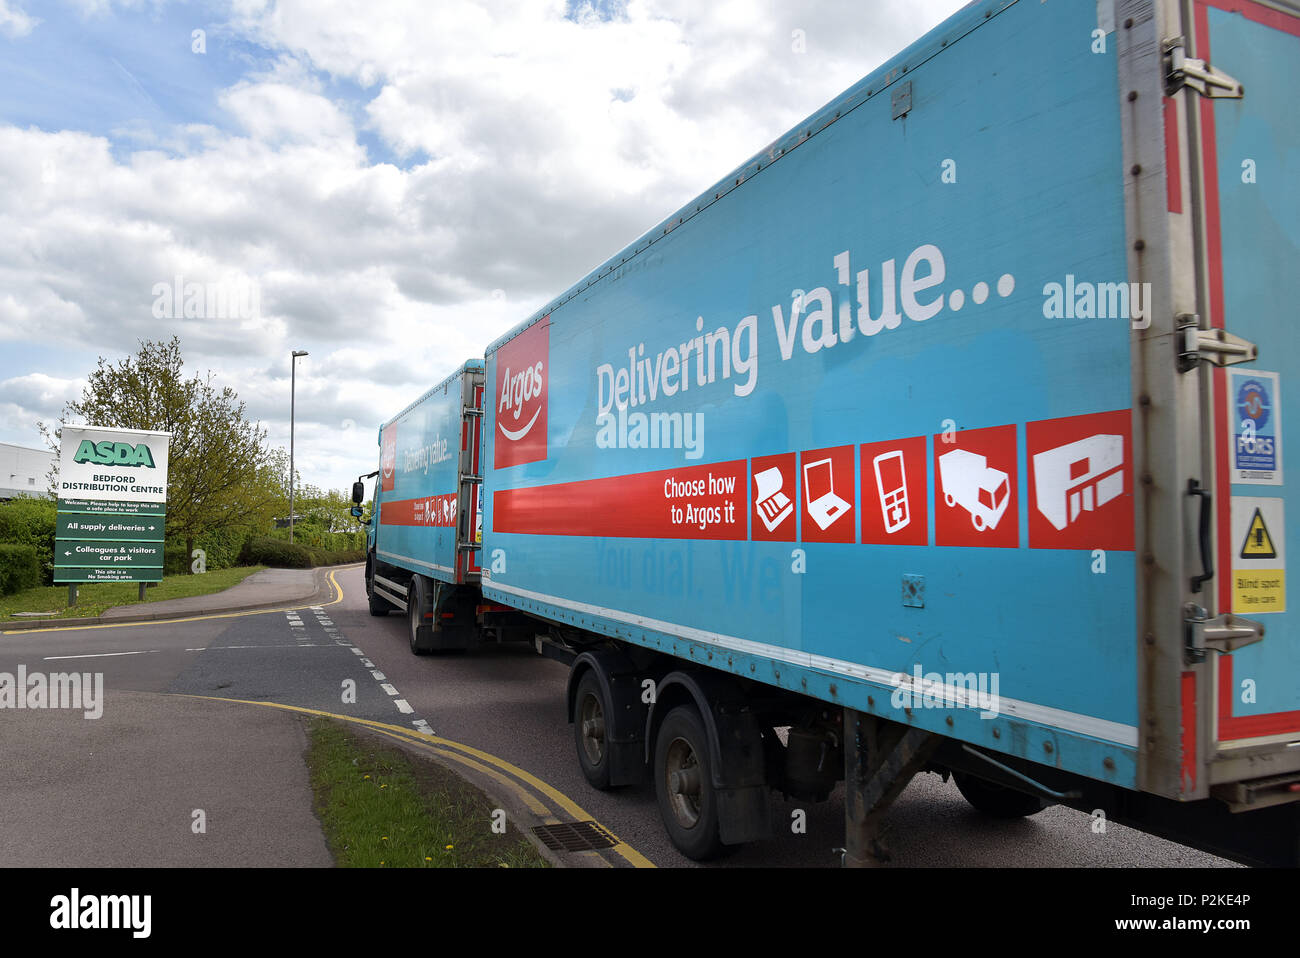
(14,23)
(540,146)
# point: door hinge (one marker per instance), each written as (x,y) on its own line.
(472,411)
(1223,633)
(1217,346)
(1184,71)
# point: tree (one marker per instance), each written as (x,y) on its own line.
(221,472)
(324,519)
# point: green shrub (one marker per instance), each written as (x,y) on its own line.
(20,568)
(263,550)
(278,553)
(222,548)
(29,521)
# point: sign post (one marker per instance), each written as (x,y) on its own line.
(112,506)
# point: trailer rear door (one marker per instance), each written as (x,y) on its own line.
(1249,164)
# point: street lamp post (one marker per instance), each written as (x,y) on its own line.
(293,385)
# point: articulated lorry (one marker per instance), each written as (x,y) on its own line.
(945,434)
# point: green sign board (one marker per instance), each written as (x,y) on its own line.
(111,519)
(108,525)
(107,552)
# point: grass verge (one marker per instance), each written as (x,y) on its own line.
(94,597)
(382,808)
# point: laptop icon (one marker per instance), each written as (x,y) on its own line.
(819,488)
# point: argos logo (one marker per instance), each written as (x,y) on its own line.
(521,409)
(388,457)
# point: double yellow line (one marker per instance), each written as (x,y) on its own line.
(338,597)
(498,769)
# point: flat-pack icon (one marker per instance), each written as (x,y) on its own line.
(771,504)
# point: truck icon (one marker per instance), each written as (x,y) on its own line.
(969,482)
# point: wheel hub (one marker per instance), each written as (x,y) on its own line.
(593,730)
(682,770)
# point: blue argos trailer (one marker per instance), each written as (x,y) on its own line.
(944,434)
(427,525)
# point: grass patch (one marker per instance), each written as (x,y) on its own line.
(382,808)
(94,597)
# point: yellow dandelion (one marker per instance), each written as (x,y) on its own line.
(450,847)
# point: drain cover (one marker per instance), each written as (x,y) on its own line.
(574,837)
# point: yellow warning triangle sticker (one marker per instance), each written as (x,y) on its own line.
(1258,544)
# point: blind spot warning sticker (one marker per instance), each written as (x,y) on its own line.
(1258,555)
(1258,543)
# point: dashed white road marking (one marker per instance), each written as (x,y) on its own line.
(367,663)
(423,726)
(379,676)
(403,707)
(388,688)
(95,655)
(357,651)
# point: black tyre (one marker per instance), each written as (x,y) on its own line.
(684,784)
(997,801)
(590,710)
(419,606)
(378,606)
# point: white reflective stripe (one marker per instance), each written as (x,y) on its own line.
(1117,732)
(427,565)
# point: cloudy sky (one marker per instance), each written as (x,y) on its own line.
(389,184)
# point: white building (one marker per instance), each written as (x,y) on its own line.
(24,471)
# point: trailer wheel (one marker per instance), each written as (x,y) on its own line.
(997,801)
(378,606)
(977,522)
(684,784)
(418,605)
(589,716)
(949,500)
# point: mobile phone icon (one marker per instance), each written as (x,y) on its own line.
(891,484)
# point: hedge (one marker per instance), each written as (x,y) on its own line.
(277,553)
(222,548)
(20,568)
(29,521)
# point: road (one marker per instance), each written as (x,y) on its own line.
(509,702)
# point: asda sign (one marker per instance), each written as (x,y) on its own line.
(120,465)
(114,454)
(112,514)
